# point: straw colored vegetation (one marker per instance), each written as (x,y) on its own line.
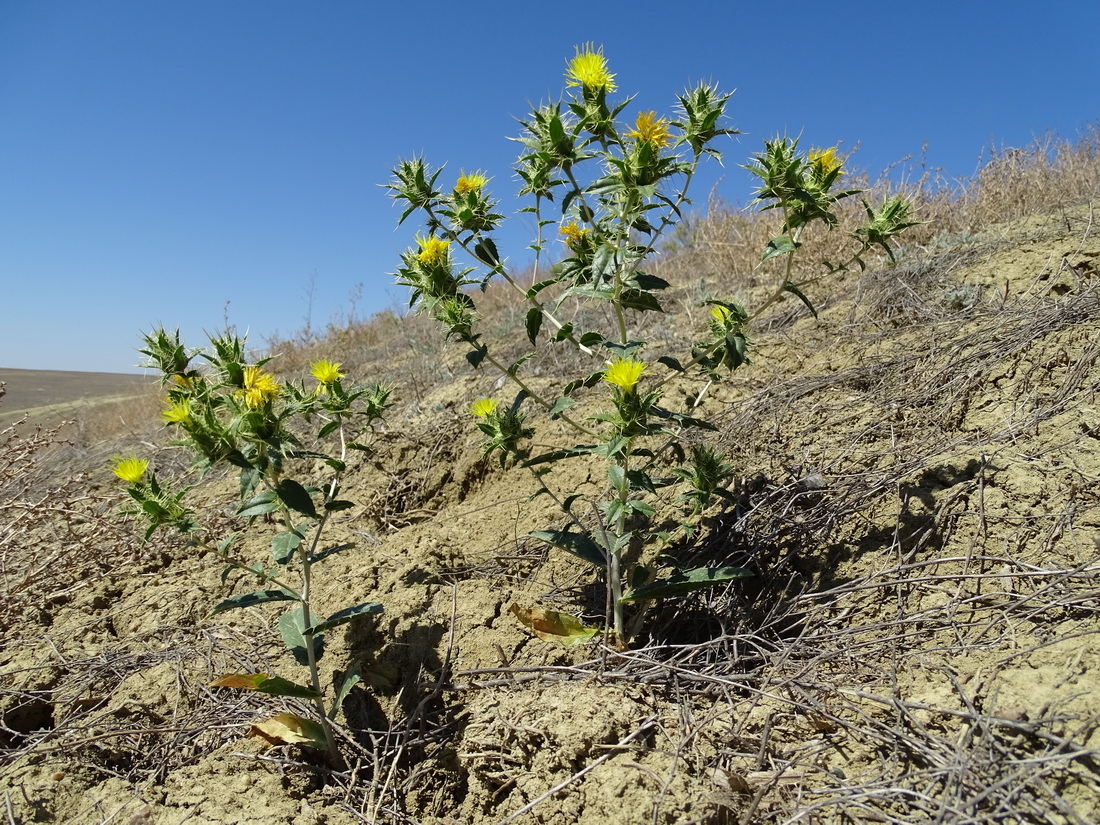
(50,396)
(917,496)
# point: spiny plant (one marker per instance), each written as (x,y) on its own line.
(612,190)
(233,413)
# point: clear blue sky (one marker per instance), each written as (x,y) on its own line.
(159,159)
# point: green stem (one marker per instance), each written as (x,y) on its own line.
(788,268)
(614,552)
(307,623)
(305,559)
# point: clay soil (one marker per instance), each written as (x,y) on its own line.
(919,501)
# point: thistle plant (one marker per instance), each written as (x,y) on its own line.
(612,187)
(229,412)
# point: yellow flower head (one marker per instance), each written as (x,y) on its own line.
(624,373)
(651,129)
(178,413)
(720,313)
(182,381)
(483,407)
(825,159)
(572,233)
(471,183)
(588,69)
(433,250)
(325,372)
(259,387)
(130,470)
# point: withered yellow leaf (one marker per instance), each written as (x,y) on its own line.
(552,626)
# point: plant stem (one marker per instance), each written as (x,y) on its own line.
(615,551)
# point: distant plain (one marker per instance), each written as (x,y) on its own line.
(47,396)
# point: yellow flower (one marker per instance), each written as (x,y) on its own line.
(178,413)
(588,69)
(325,372)
(433,250)
(720,313)
(572,233)
(259,387)
(624,372)
(825,159)
(651,129)
(470,183)
(131,470)
(483,407)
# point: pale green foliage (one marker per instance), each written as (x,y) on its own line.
(611,191)
(230,412)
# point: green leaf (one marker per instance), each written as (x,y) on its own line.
(250,479)
(591,339)
(292,629)
(563,333)
(338,504)
(558,455)
(330,427)
(346,615)
(589,381)
(476,356)
(519,362)
(534,323)
(560,406)
(485,251)
(779,246)
(794,290)
(262,683)
(580,545)
(639,300)
(259,505)
(641,480)
(350,680)
(671,363)
(686,581)
(251,599)
(643,280)
(617,476)
(284,544)
(568,199)
(295,496)
(556,130)
(540,286)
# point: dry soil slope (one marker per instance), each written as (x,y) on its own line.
(921,642)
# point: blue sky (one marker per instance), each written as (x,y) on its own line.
(160,159)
